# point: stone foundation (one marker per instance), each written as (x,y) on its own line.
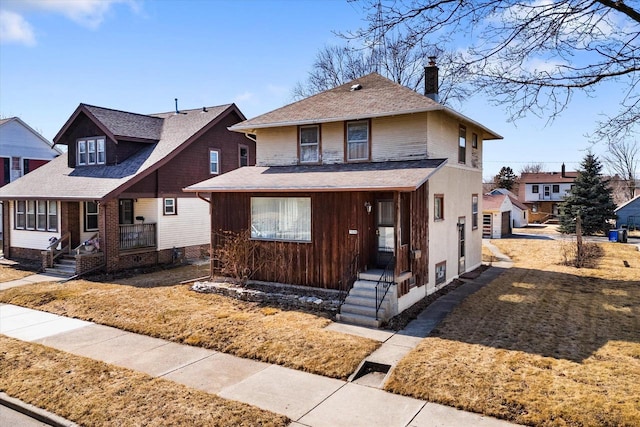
(286,296)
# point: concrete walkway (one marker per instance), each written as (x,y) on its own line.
(307,399)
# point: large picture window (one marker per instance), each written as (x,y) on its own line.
(281,218)
(90,152)
(358,140)
(40,215)
(309,144)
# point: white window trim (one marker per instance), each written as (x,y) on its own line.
(296,223)
(173,207)
(37,217)
(217,171)
(86,217)
(98,151)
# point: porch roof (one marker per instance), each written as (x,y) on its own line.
(377,176)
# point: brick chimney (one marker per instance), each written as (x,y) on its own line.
(431,79)
(564,173)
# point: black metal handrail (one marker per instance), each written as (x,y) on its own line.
(386,279)
(349,278)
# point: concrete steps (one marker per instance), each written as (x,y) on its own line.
(359,306)
(64,266)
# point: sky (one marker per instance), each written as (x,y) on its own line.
(139,55)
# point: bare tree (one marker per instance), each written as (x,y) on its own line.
(622,159)
(530,56)
(532,168)
(396,58)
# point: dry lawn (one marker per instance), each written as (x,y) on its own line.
(290,338)
(544,344)
(10,272)
(93,393)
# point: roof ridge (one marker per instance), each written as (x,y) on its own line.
(119,111)
(192,109)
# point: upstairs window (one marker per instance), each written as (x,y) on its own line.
(90,151)
(214,162)
(358,140)
(535,189)
(438,207)
(243,155)
(309,138)
(462,145)
(556,188)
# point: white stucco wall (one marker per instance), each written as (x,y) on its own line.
(458,184)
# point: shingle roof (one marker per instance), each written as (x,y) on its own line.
(547,177)
(56,180)
(377,97)
(399,176)
(493,202)
(125,124)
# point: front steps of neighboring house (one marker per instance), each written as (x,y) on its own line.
(359,307)
(63,266)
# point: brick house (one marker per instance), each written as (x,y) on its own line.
(114,200)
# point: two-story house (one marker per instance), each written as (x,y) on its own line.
(369,181)
(114,200)
(543,192)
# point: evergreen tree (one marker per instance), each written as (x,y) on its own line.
(591,198)
(505,178)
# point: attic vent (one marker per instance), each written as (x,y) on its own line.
(357,86)
(204,109)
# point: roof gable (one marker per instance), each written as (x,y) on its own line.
(56,180)
(45,142)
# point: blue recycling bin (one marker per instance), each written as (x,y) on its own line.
(613,235)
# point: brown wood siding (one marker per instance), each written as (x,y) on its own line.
(192,164)
(82,127)
(419,208)
(320,263)
(117,153)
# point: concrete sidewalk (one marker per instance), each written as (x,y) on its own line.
(307,399)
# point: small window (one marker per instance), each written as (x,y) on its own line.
(462,145)
(441,272)
(25,166)
(474,140)
(474,211)
(281,218)
(358,140)
(556,188)
(170,206)
(309,138)
(243,155)
(52,213)
(438,207)
(31,215)
(535,189)
(90,216)
(21,212)
(90,152)
(214,162)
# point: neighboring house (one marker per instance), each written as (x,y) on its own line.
(629,214)
(119,189)
(543,193)
(519,211)
(496,216)
(367,177)
(22,150)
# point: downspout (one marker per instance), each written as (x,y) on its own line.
(211,232)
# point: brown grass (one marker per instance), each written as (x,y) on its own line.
(93,393)
(290,338)
(544,344)
(13,272)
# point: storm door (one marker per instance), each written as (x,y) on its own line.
(386,231)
